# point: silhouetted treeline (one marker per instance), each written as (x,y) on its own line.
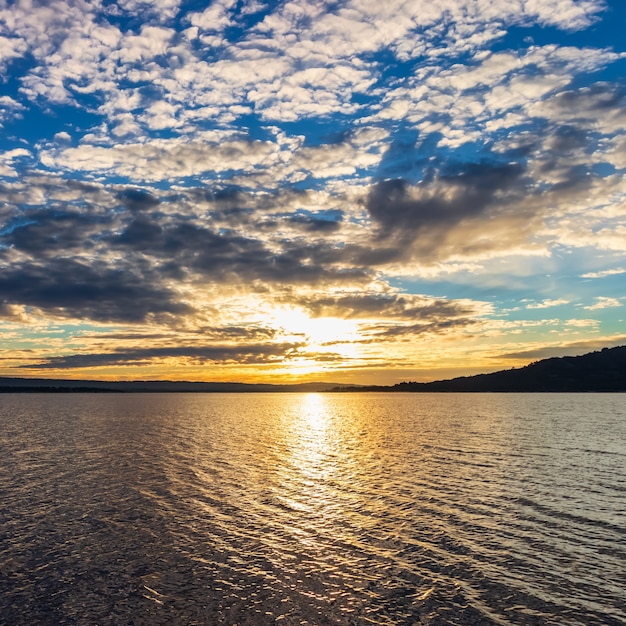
(596,371)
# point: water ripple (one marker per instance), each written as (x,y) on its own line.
(422,509)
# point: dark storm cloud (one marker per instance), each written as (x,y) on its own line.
(116,266)
(442,201)
(96,291)
(567,139)
(249,333)
(245,354)
(140,233)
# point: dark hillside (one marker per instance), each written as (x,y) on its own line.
(596,371)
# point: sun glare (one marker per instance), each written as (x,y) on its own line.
(317,331)
(315,412)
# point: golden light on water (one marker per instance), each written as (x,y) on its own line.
(313,508)
(314,412)
(311,434)
(310,465)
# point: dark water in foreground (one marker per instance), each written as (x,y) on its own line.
(313,509)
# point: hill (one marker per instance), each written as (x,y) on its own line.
(595,371)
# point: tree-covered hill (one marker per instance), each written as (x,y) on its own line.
(596,371)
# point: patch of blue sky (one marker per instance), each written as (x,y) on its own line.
(605,31)
(561,275)
(612,73)
(442,288)
(319,131)
(389,68)
(34,126)
(326,215)
(60,330)
(15,224)
(249,125)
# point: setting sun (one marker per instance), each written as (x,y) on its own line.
(361,192)
(318,332)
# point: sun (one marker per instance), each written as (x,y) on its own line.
(318,332)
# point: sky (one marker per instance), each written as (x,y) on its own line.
(348,191)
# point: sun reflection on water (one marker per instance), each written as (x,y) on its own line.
(311,441)
(314,415)
(314,509)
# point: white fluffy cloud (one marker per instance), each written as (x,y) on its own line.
(300,60)
(546,304)
(161,159)
(603,302)
(8,158)
(605,273)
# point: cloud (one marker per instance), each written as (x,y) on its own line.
(565,13)
(8,158)
(155,9)
(188,249)
(10,110)
(603,302)
(71,287)
(547,304)
(10,48)
(243,354)
(166,159)
(599,107)
(406,307)
(151,42)
(337,160)
(604,273)
(392,331)
(442,201)
(314,224)
(137,199)
(568,349)
(125,254)
(215,17)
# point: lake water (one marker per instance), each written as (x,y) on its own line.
(295,509)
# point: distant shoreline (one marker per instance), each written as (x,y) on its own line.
(365,389)
(595,372)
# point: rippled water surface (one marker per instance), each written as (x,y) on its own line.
(313,509)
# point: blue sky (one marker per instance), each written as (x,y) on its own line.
(356,191)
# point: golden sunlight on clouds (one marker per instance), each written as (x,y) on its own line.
(345,192)
(324,341)
(317,332)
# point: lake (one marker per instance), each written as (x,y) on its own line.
(355,508)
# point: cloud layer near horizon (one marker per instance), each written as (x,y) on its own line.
(425,179)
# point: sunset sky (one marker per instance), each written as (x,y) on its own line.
(363,191)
